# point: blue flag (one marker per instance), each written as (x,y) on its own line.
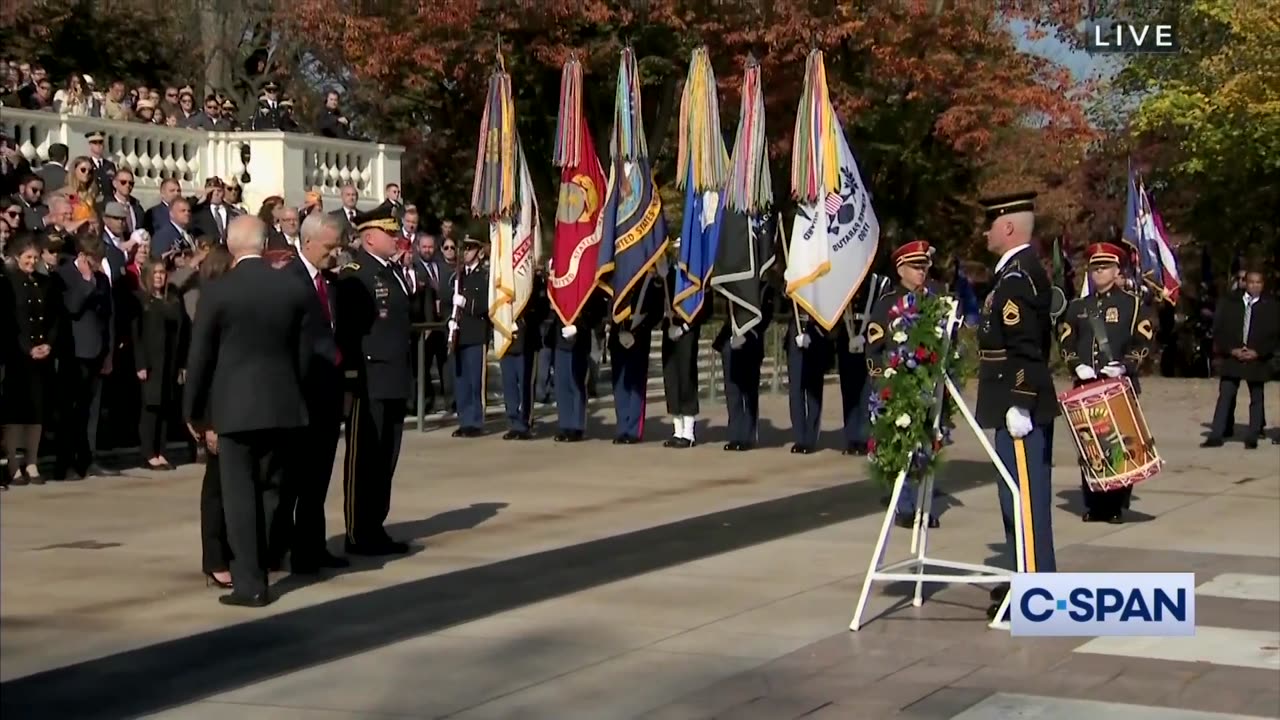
(1138,231)
(633,233)
(699,242)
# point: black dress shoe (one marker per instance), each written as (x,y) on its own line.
(510,435)
(574,436)
(734,447)
(262,599)
(933,522)
(99,471)
(1212,443)
(799,449)
(678,443)
(859,449)
(378,549)
(524,435)
(458,433)
(1251,444)
(630,440)
(561,437)
(904,520)
(619,440)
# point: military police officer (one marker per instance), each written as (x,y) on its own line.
(1105,334)
(912,262)
(373,335)
(629,343)
(1015,387)
(469,326)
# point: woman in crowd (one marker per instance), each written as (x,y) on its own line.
(81,188)
(141,256)
(28,358)
(75,98)
(267,213)
(213,261)
(157,332)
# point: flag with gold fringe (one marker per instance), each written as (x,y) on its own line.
(575,252)
(835,234)
(704,168)
(749,226)
(633,233)
(503,193)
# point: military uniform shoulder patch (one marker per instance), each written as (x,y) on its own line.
(1010,313)
(1113,315)
(874,332)
(1144,329)
(351,266)
(1064,332)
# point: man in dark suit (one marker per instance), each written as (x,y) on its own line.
(103,167)
(173,236)
(301,516)
(86,295)
(157,216)
(31,188)
(428,277)
(373,331)
(122,193)
(1246,334)
(249,353)
(213,217)
(347,213)
(54,170)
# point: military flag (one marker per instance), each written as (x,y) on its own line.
(633,233)
(575,251)
(749,224)
(836,234)
(503,193)
(704,168)
(1144,231)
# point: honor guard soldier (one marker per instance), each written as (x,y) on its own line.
(808,359)
(1015,387)
(680,365)
(469,327)
(629,344)
(741,357)
(572,344)
(849,347)
(272,112)
(912,262)
(1107,334)
(518,363)
(373,335)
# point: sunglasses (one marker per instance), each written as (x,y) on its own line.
(13,213)
(450,247)
(82,170)
(126,183)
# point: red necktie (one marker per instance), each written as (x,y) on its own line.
(322,289)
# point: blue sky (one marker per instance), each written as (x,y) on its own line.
(1081,63)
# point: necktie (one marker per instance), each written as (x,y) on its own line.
(431,273)
(1248,317)
(322,289)
(222,223)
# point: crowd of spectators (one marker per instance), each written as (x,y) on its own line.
(27,85)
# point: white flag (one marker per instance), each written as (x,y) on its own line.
(513,257)
(833,244)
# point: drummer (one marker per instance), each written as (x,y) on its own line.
(1105,335)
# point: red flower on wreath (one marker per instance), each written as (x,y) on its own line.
(871,445)
(885,394)
(933,358)
(893,363)
(921,354)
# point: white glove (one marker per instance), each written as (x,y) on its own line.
(1113,370)
(857,345)
(626,339)
(1018,421)
(737,341)
(568,331)
(1084,372)
(802,340)
(453,326)
(675,331)
(459,299)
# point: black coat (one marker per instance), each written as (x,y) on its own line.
(158,333)
(372,329)
(249,352)
(323,381)
(1264,337)
(31,318)
(88,309)
(473,317)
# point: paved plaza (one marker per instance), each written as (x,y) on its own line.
(597,582)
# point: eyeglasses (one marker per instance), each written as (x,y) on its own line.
(13,213)
(126,183)
(450,247)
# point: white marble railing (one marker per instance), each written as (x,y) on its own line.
(286,164)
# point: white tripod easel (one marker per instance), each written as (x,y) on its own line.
(913,569)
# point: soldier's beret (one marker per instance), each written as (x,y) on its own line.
(1000,205)
(379,218)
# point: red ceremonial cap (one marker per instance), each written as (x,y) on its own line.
(1104,253)
(916,251)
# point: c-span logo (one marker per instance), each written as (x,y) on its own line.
(1096,604)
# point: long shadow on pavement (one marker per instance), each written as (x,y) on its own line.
(177,672)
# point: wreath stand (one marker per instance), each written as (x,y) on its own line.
(915,568)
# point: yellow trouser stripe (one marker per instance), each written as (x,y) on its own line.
(353,425)
(1024,504)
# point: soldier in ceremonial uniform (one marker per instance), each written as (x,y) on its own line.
(912,262)
(517,365)
(741,357)
(272,112)
(1105,334)
(629,360)
(808,359)
(469,326)
(849,347)
(373,335)
(572,345)
(1015,387)
(680,366)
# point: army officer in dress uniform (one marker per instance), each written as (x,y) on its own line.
(1105,334)
(1015,387)
(912,262)
(373,336)
(469,326)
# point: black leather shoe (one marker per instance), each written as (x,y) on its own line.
(734,447)
(378,549)
(933,522)
(524,435)
(621,439)
(561,437)
(859,449)
(1211,443)
(262,599)
(574,436)
(1251,444)
(99,471)
(799,449)
(458,433)
(904,520)
(510,435)
(678,443)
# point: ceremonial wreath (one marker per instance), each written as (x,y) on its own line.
(903,405)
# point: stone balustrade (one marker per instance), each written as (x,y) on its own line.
(267,163)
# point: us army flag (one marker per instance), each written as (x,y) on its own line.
(513,256)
